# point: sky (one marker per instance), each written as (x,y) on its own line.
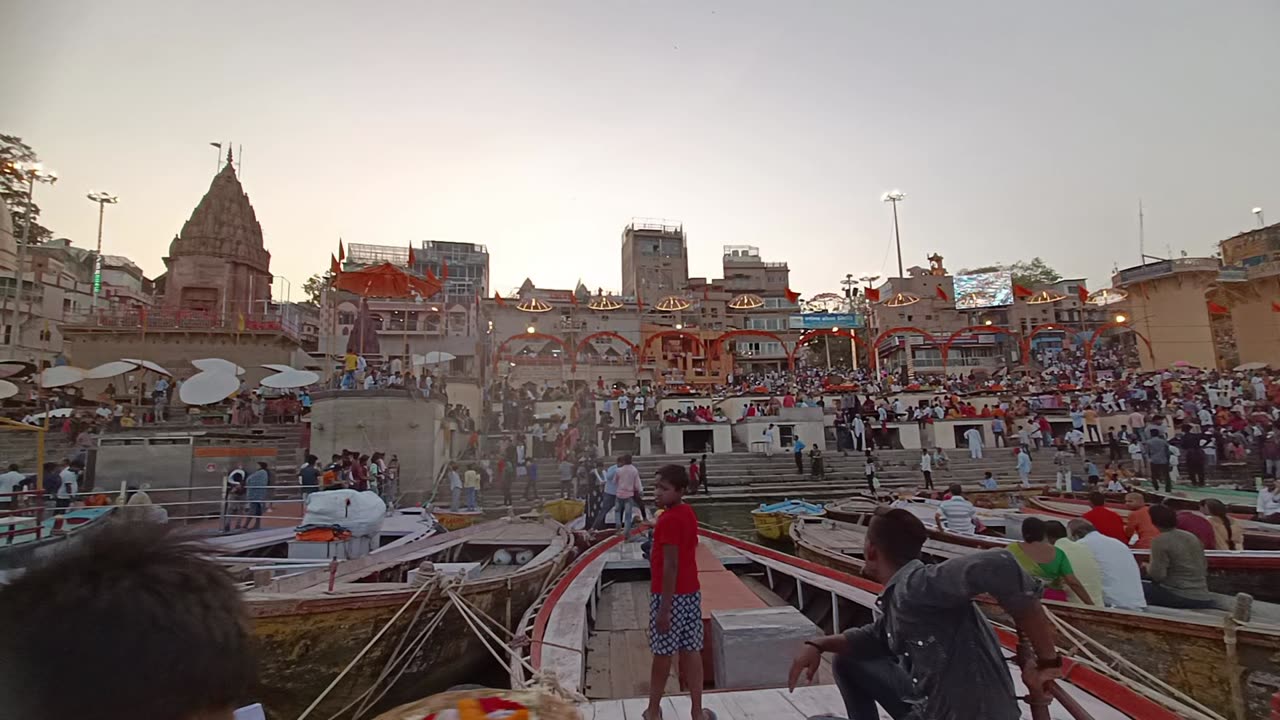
(540,129)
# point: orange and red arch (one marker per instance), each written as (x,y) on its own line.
(972,330)
(644,346)
(497,354)
(582,344)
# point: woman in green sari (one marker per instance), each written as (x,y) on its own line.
(1047,563)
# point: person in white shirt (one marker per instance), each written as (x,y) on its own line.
(9,483)
(859,430)
(68,487)
(926,467)
(1024,466)
(957,512)
(455,487)
(768,437)
(623,404)
(1121,579)
(1135,455)
(973,436)
(1269,502)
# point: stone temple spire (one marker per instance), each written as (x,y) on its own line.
(223,223)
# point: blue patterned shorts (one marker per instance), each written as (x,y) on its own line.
(686,624)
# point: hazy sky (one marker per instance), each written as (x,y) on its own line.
(540,128)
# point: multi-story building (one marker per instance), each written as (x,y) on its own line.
(1249,287)
(467,264)
(1167,304)
(655,259)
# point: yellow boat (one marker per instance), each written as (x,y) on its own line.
(564,510)
(773,522)
(457,519)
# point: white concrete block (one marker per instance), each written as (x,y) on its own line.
(754,648)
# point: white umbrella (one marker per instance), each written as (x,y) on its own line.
(111,369)
(60,412)
(277,368)
(291,379)
(15,368)
(60,375)
(1250,366)
(225,367)
(436,357)
(7,389)
(148,365)
(206,388)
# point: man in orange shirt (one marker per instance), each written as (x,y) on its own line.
(1139,521)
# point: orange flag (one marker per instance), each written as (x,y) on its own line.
(873,295)
(444,269)
(942,294)
(413,259)
(1275,306)
(342,254)
(792,296)
(1083,293)
(1020,291)
(498,299)
(334,267)
(1216,309)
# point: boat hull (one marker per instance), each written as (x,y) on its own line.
(305,642)
(564,510)
(1257,536)
(452,521)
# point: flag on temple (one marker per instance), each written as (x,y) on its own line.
(872,294)
(1216,309)
(444,269)
(1020,291)
(792,296)
(706,292)
(498,298)
(1083,293)
(573,298)
(1275,306)
(942,294)
(342,254)
(334,267)
(413,259)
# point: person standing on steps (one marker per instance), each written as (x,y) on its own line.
(768,437)
(703,476)
(869,469)
(973,436)
(926,467)
(610,495)
(1024,466)
(797,449)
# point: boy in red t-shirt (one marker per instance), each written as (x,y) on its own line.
(675,603)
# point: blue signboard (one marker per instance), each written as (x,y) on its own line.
(824,321)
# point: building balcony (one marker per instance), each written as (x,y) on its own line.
(1164,268)
(168,319)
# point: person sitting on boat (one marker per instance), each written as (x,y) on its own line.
(958,512)
(1227,534)
(930,648)
(1198,525)
(1178,569)
(1083,563)
(1107,521)
(1269,502)
(1121,578)
(1139,521)
(1046,562)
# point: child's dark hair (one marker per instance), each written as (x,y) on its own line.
(162,629)
(675,476)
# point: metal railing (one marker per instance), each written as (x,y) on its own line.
(285,320)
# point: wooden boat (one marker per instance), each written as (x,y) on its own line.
(1239,504)
(589,634)
(564,510)
(309,627)
(1257,535)
(773,521)
(27,538)
(457,519)
(1189,649)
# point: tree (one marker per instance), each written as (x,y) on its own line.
(314,285)
(1027,273)
(13,187)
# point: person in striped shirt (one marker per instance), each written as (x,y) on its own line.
(957,512)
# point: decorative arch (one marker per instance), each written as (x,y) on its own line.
(973,330)
(718,343)
(635,349)
(1093,339)
(644,346)
(1036,330)
(529,336)
(903,329)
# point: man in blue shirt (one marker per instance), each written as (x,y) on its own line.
(797,447)
(256,484)
(610,496)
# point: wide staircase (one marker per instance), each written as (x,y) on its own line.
(753,477)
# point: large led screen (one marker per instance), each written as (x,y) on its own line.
(984,290)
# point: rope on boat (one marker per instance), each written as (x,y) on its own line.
(368,646)
(1114,665)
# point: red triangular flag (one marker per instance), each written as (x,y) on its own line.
(706,292)
(342,254)
(498,299)
(1216,309)
(792,296)
(639,302)
(1275,306)
(334,267)
(1020,291)
(1083,293)
(942,294)
(444,269)
(872,295)
(413,259)
(573,298)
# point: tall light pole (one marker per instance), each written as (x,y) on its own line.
(103,199)
(32,173)
(1258,212)
(895,197)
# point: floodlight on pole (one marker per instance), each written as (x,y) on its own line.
(1258,213)
(895,196)
(103,199)
(32,173)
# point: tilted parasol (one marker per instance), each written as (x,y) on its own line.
(387,281)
